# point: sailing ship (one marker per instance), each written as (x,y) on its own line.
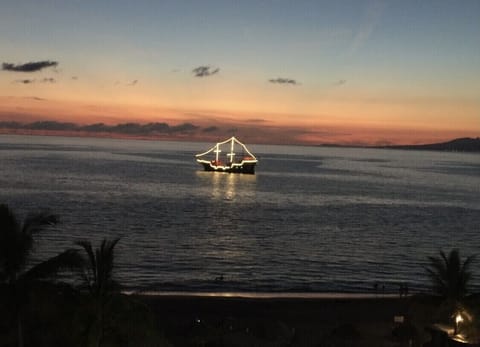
(228,156)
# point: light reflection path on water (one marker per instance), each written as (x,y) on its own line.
(226,186)
(225,189)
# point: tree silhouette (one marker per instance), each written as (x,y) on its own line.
(450,277)
(98,278)
(16,248)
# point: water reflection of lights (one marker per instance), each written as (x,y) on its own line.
(226,186)
(222,243)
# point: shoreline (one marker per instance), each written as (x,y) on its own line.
(265,295)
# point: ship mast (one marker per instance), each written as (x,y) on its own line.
(232,147)
(217,151)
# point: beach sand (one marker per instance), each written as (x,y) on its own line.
(239,321)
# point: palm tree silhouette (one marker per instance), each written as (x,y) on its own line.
(98,278)
(450,277)
(450,283)
(16,247)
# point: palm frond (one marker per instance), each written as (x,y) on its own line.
(105,257)
(468,263)
(89,274)
(67,260)
(87,247)
(35,223)
(449,276)
(99,272)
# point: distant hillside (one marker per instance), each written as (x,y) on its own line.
(458,145)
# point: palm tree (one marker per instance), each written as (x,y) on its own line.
(98,278)
(450,277)
(450,283)
(16,247)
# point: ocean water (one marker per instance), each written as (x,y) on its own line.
(312,219)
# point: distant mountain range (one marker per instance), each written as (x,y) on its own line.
(466,144)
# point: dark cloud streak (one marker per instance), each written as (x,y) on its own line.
(281,80)
(51,125)
(256,120)
(30,81)
(210,129)
(35,98)
(122,128)
(25,81)
(30,66)
(205,71)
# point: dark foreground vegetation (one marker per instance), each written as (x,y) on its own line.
(58,315)
(88,308)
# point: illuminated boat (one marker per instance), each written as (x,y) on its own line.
(228,156)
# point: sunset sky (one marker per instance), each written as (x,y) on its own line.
(349,72)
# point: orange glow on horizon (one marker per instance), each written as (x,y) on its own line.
(337,123)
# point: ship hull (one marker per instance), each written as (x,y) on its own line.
(243,169)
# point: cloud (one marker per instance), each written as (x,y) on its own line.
(183,128)
(131,84)
(30,81)
(281,80)
(205,71)
(97,127)
(256,120)
(210,129)
(127,128)
(74,78)
(34,98)
(340,82)
(249,133)
(51,125)
(29,67)
(371,18)
(10,125)
(156,127)
(150,128)
(25,81)
(122,128)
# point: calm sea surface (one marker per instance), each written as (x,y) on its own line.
(310,220)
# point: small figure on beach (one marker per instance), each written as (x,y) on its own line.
(403,289)
(219,278)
